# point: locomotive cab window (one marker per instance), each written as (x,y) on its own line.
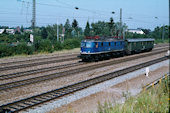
(88,44)
(83,44)
(102,44)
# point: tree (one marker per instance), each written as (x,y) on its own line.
(146,31)
(4,27)
(111,26)
(44,33)
(22,29)
(100,28)
(157,33)
(87,29)
(68,29)
(75,25)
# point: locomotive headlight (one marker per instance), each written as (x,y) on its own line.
(88,51)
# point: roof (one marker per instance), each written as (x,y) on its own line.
(138,31)
(100,40)
(135,29)
(2,30)
(140,39)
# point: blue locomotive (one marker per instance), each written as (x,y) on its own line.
(100,48)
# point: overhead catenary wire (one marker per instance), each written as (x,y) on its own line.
(66,16)
(71,7)
(95,16)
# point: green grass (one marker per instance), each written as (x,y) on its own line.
(154,100)
(157,41)
(64,51)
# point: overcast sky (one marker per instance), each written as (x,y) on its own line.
(136,13)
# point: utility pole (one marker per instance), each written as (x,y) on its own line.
(120,22)
(33,14)
(163,32)
(169,16)
(57,32)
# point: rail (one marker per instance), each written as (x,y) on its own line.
(24,82)
(26,103)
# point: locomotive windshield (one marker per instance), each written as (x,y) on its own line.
(86,44)
(83,44)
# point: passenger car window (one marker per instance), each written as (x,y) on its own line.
(102,44)
(134,43)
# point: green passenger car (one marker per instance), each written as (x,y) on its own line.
(138,45)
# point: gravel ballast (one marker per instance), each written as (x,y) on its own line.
(38,88)
(94,89)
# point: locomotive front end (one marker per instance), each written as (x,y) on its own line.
(87,49)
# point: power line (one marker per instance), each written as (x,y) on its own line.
(71,7)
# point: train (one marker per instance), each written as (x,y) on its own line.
(101,48)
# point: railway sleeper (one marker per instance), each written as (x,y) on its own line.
(26,103)
(44,98)
(15,107)
(8,110)
(109,76)
(34,101)
(120,72)
(12,108)
(55,95)
(87,85)
(31,102)
(62,91)
(70,89)
(38,99)
(21,105)
(79,87)
(58,94)
(76,88)
(49,96)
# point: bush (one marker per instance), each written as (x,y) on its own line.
(5,50)
(22,48)
(71,43)
(45,46)
(161,41)
(57,46)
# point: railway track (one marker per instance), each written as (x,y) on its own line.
(36,71)
(38,59)
(34,80)
(26,103)
(37,63)
(52,60)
